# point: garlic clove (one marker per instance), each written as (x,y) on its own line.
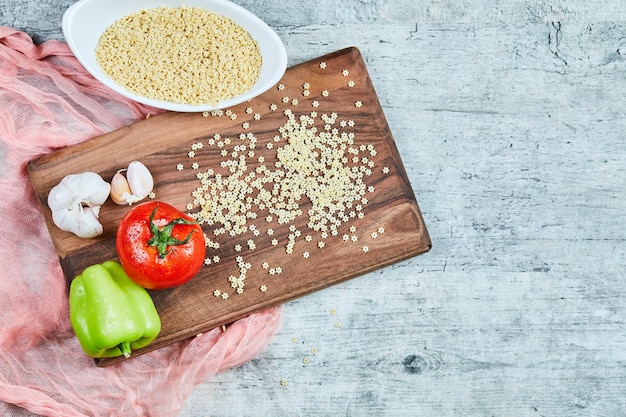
(136,186)
(82,221)
(139,179)
(119,189)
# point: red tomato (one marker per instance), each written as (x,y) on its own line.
(160,246)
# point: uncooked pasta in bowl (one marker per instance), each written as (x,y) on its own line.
(189,56)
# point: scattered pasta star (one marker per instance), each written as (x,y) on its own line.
(345,73)
(284,383)
(294,339)
(351,84)
(358,104)
(217,293)
(224,296)
(305,360)
(229,202)
(280,87)
(366,249)
(323,65)
(179,167)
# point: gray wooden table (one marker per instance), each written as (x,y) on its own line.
(510,121)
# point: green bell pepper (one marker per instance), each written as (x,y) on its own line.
(110,314)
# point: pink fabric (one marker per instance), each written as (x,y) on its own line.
(48,101)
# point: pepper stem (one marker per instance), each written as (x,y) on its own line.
(125,348)
(162,236)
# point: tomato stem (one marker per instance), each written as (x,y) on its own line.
(162,236)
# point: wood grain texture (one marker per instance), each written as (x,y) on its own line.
(163,142)
(509,118)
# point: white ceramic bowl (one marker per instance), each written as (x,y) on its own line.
(86,20)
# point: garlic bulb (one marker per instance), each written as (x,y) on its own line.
(136,186)
(75,203)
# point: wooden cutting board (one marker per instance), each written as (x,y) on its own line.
(385,226)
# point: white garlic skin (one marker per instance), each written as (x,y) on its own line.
(75,203)
(136,186)
(139,179)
